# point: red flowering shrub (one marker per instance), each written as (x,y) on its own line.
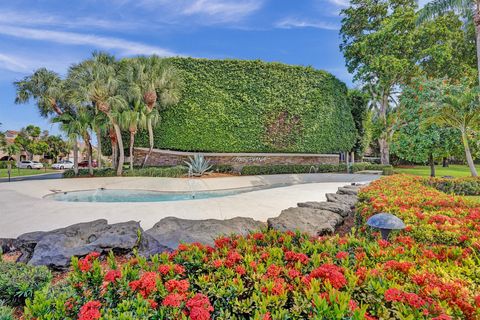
(431,270)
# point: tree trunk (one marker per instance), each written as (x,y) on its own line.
(121,158)
(431,162)
(132,140)
(445,162)
(88,145)
(75,156)
(150,140)
(468,155)
(384,150)
(99,148)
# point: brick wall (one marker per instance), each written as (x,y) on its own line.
(238,160)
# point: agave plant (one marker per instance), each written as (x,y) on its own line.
(198,165)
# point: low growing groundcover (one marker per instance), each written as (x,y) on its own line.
(431,270)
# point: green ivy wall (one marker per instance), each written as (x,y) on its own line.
(254,106)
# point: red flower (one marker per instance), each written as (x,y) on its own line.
(90,311)
(240,270)
(84,265)
(146,285)
(296,257)
(217,263)
(393,294)
(267,316)
(178,269)
(273,271)
(180,286)
(330,273)
(164,269)
(112,275)
(173,300)
(200,307)
(341,255)
(153,304)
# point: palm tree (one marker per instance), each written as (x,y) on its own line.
(79,123)
(154,81)
(94,83)
(469,8)
(457,106)
(11,149)
(133,120)
(100,125)
(45,87)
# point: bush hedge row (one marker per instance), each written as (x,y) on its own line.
(469,186)
(255,106)
(314,168)
(172,172)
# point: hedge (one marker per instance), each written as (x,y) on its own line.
(469,186)
(172,172)
(314,168)
(255,106)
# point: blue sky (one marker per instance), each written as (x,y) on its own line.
(56,33)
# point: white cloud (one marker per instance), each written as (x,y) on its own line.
(124,46)
(290,23)
(223,10)
(42,19)
(11,63)
(340,3)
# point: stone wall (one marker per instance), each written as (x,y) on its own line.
(237,160)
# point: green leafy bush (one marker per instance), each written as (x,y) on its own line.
(3,164)
(19,281)
(173,172)
(469,186)
(314,168)
(254,106)
(6,312)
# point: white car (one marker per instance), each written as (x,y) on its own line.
(30,165)
(64,164)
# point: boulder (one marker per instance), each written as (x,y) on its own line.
(172,231)
(7,245)
(337,207)
(346,199)
(56,248)
(315,222)
(349,190)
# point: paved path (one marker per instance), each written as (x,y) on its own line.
(23,208)
(40,176)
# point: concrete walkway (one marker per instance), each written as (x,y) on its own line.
(23,208)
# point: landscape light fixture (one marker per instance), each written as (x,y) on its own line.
(386,222)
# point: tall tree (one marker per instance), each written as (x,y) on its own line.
(455,106)
(468,8)
(378,45)
(45,87)
(132,120)
(95,82)
(154,81)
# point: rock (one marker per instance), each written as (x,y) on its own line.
(337,207)
(350,190)
(346,199)
(172,231)
(315,222)
(56,248)
(9,245)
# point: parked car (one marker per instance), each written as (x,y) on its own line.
(84,164)
(27,164)
(64,164)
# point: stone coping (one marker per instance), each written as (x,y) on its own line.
(242,154)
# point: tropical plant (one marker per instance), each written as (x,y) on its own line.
(455,106)
(100,125)
(132,120)
(198,165)
(95,83)
(11,150)
(157,83)
(46,88)
(468,8)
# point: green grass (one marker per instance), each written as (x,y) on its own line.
(24,172)
(453,170)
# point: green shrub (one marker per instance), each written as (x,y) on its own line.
(314,168)
(173,172)
(469,186)
(254,106)
(6,312)
(19,281)
(361,166)
(222,168)
(3,164)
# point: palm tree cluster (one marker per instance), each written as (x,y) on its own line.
(105,96)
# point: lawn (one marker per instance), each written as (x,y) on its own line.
(24,172)
(454,170)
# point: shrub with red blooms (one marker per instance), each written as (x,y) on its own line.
(431,270)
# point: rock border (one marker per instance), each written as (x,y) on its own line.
(56,248)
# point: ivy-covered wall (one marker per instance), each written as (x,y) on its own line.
(254,106)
